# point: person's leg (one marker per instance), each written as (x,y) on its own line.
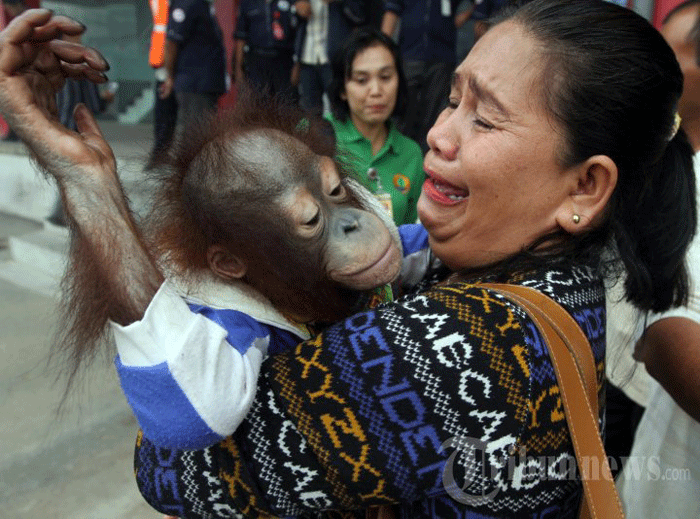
(326,78)
(194,105)
(257,72)
(280,77)
(209,102)
(165,118)
(622,416)
(433,99)
(410,123)
(311,88)
(184,109)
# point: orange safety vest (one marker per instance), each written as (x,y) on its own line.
(159,9)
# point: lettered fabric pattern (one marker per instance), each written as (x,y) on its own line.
(446,403)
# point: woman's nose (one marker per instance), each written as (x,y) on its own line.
(441,139)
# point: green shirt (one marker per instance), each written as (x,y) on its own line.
(399,165)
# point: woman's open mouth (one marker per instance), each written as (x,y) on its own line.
(442,192)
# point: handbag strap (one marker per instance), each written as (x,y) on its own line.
(575,370)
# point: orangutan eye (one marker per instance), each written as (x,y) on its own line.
(337,191)
(314,221)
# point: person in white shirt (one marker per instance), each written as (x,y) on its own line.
(662,476)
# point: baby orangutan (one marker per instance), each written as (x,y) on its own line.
(257,228)
(256,196)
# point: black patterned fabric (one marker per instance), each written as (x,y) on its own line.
(445,403)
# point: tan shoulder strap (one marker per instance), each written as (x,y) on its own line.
(565,326)
(573,364)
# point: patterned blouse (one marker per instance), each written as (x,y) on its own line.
(444,402)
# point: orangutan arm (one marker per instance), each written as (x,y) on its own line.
(111,275)
(113,264)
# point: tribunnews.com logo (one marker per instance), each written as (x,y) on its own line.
(476,470)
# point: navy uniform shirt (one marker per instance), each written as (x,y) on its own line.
(200,65)
(269,26)
(484,9)
(427,31)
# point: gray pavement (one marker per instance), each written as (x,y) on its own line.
(76,465)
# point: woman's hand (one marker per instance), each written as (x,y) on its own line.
(34,64)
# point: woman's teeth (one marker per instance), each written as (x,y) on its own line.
(449,192)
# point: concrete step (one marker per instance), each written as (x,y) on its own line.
(45,250)
(26,192)
(37,260)
(30,278)
(141,107)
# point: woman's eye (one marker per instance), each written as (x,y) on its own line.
(483,124)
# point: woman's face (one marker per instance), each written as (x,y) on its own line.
(676,30)
(372,86)
(493,182)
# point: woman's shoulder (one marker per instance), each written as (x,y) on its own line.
(344,129)
(578,288)
(574,287)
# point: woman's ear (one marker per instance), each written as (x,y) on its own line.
(595,179)
(224,264)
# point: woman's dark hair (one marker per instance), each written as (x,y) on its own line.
(360,39)
(613,84)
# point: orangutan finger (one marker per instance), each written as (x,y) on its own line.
(82,71)
(22,27)
(77,53)
(57,26)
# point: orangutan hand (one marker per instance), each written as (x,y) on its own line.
(34,64)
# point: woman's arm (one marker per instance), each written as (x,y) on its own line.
(671,353)
(190,378)
(375,409)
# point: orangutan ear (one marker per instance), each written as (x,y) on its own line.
(594,183)
(224,264)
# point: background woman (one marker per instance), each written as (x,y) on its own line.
(557,160)
(368,89)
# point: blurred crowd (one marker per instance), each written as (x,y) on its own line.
(379,72)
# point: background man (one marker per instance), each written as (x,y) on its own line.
(194,59)
(165,108)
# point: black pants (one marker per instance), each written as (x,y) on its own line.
(622,416)
(428,90)
(271,74)
(165,117)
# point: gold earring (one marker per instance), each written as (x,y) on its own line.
(576,218)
